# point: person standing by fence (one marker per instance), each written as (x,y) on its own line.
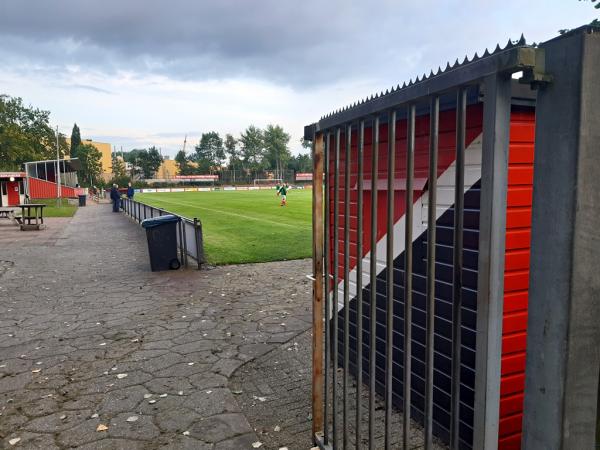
(130,191)
(115,196)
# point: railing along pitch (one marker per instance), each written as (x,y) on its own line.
(139,211)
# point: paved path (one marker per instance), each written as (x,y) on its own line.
(91,340)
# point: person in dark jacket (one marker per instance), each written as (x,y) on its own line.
(130,191)
(115,196)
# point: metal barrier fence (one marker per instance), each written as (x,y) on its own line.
(189,231)
(381,301)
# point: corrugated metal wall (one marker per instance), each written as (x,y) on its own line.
(46,189)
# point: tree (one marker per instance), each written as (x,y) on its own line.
(232,152)
(209,152)
(252,147)
(25,134)
(149,161)
(183,163)
(89,158)
(277,153)
(133,155)
(75,141)
(118,167)
(301,163)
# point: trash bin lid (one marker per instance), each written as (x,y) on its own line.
(158,221)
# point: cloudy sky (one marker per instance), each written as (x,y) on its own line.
(147,72)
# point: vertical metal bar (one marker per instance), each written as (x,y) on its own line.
(373,280)
(335,268)
(408,252)
(317,335)
(347,167)
(431,243)
(359,275)
(326,269)
(459,206)
(389,322)
(145,213)
(490,279)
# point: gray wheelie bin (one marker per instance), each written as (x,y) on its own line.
(162,242)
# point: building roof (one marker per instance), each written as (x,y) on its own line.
(70,165)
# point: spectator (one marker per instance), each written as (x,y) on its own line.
(115,196)
(130,191)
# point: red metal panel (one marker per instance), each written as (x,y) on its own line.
(46,189)
(516,277)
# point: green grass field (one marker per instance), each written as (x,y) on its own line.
(53,210)
(245,226)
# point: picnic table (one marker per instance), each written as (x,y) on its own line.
(8,212)
(28,217)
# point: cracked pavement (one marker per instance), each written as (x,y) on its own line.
(90,338)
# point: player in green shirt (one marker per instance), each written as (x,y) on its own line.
(283,192)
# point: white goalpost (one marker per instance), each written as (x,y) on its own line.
(267,182)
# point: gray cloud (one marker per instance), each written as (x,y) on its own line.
(295,43)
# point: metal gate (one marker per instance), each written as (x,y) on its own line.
(370,319)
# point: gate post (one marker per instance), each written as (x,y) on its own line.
(490,280)
(561,387)
(318,309)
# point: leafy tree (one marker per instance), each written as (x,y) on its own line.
(277,153)
(305,143)
(183,163)
(209,152)
(25,134)
(301,163)
(90,160)
(232,152)
(149,161)
(118,167)
(252,147)
(75,140)
(133,155)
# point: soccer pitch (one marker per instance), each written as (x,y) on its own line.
(245,226)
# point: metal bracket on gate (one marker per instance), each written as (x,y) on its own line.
(536,76)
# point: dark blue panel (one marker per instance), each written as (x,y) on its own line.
(443,324)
